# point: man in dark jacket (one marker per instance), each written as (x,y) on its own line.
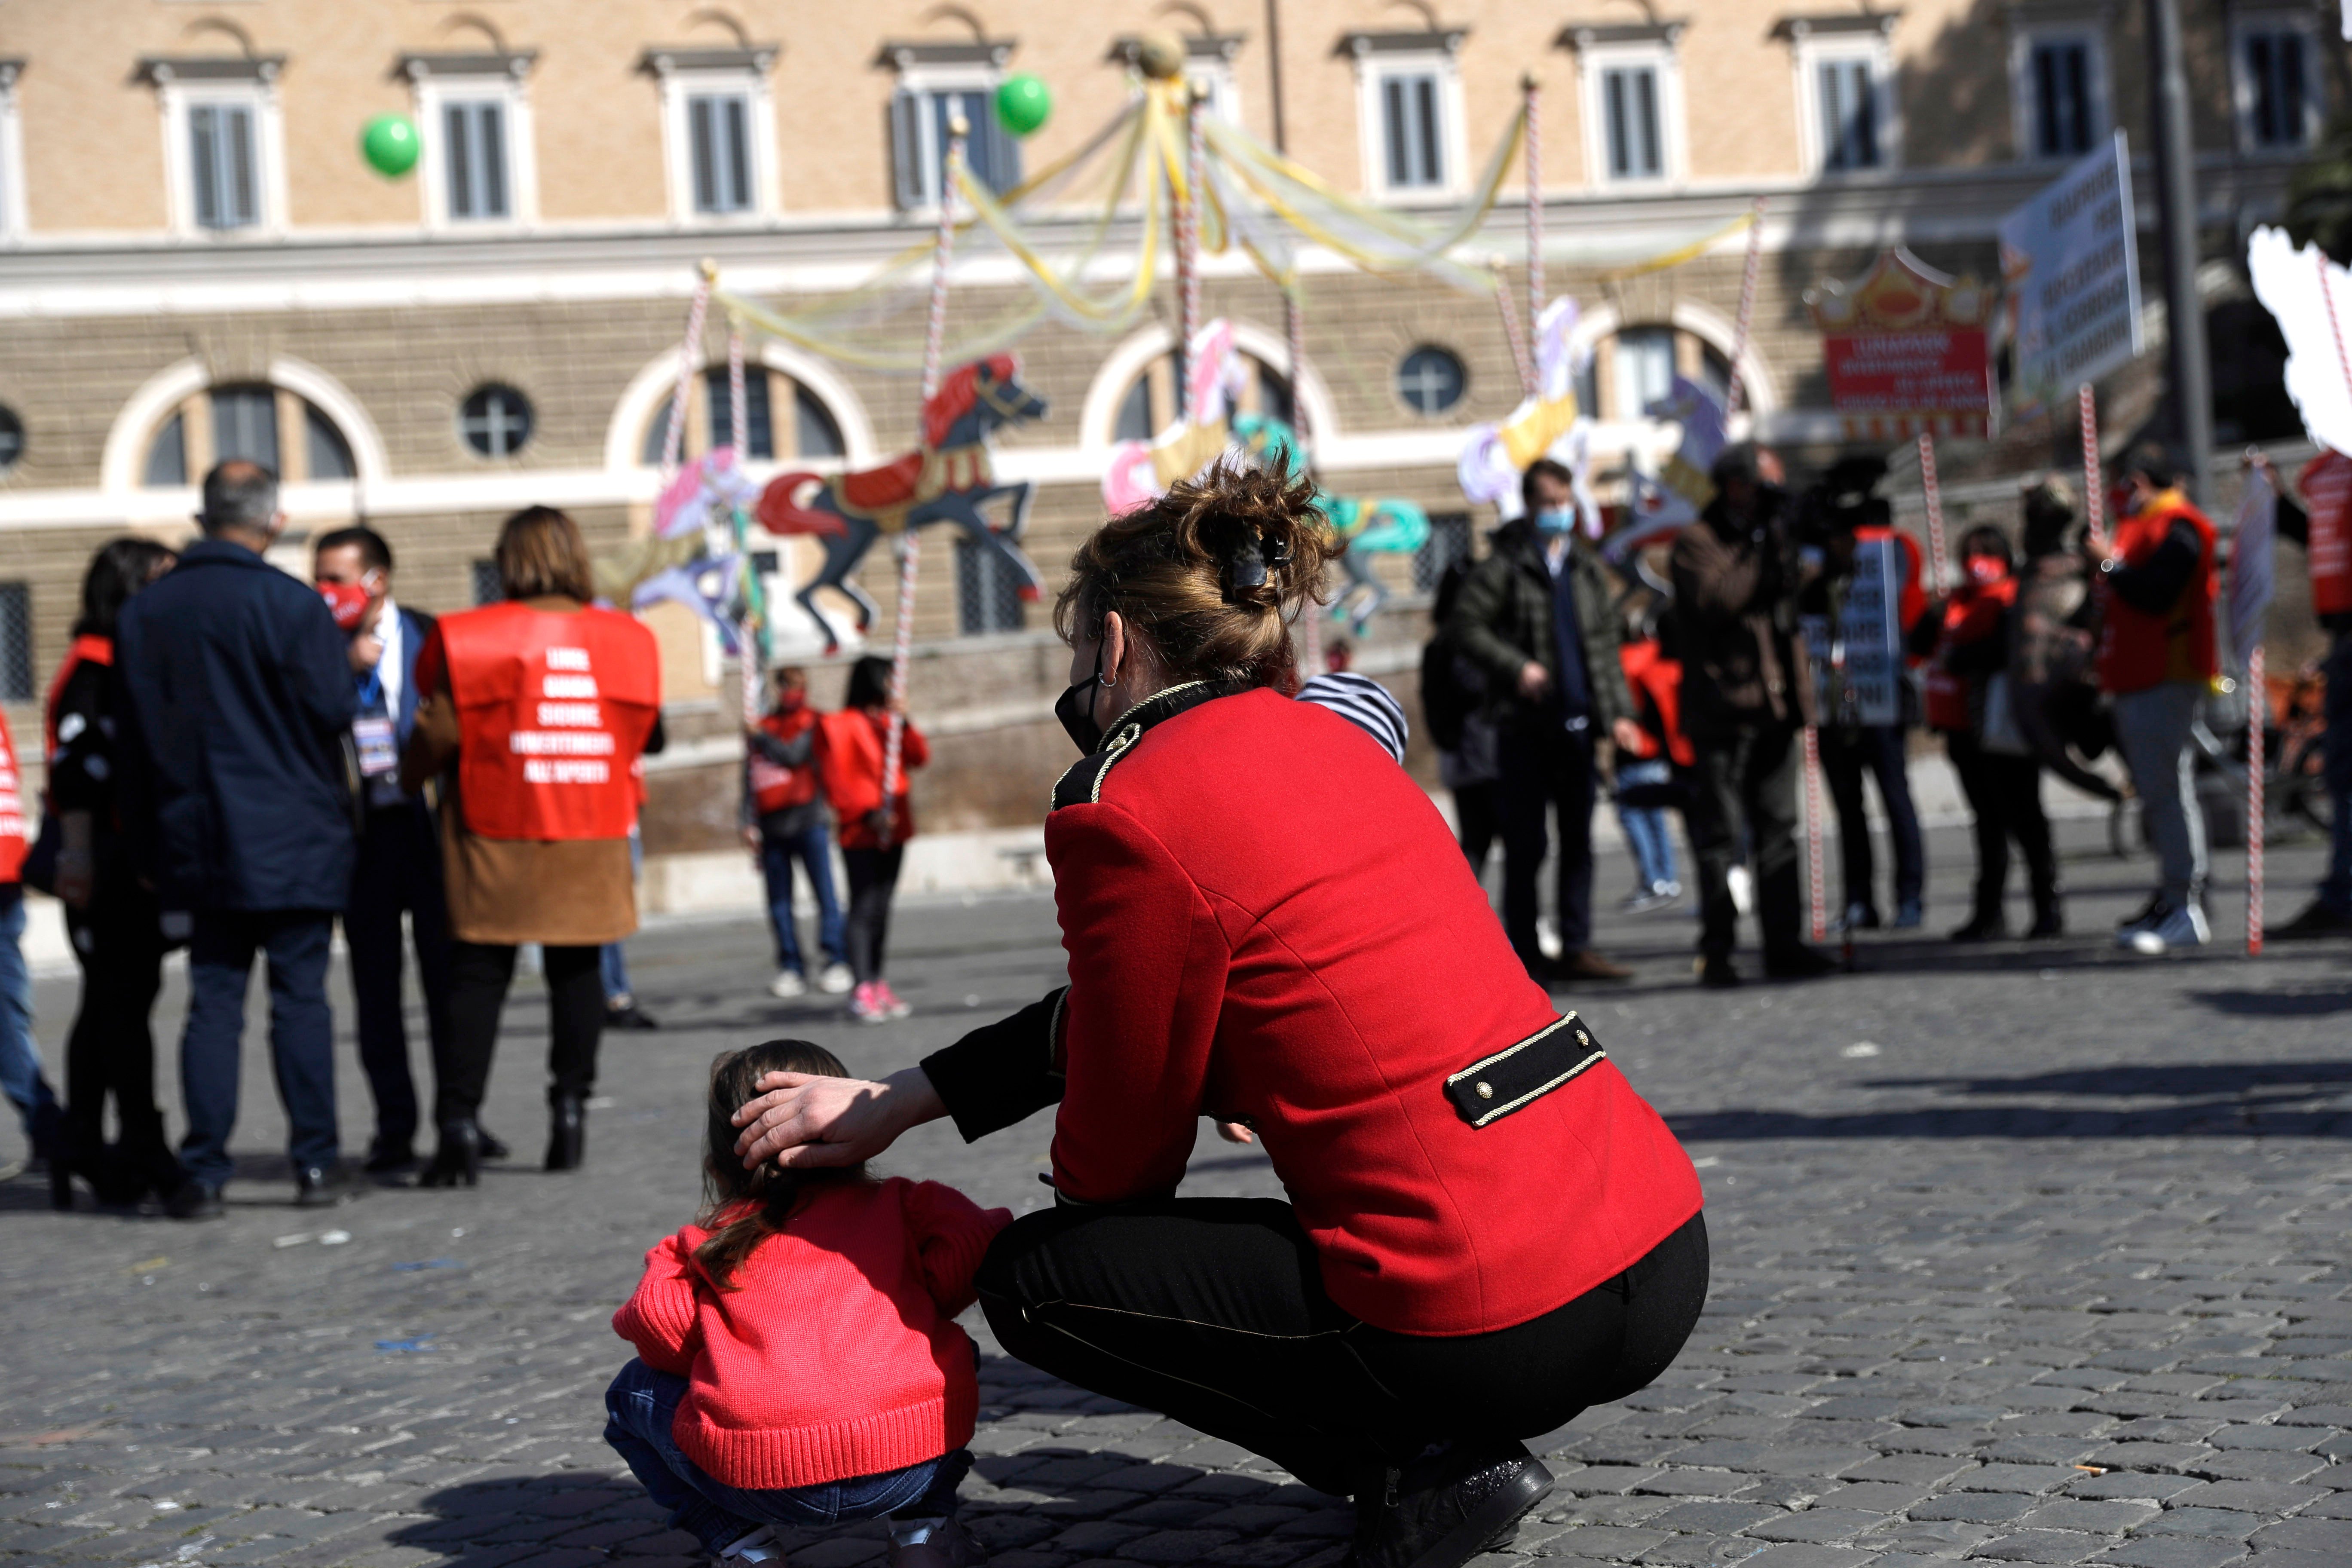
(1747,692)
(1537,616)
(236,690)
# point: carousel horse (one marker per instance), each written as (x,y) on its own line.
(1368,528)
(1138,473)
(948,478)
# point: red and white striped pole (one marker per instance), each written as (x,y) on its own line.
(2095,499)
(1735,395)
(674,437)
(935,337)
(747,633)
(2258,712)
(1816,877)
(1188,257)
(1940,564)
(1533,95)
(1512,334)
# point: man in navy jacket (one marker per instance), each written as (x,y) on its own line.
(236,695)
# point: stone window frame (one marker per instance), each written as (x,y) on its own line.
(2084,24)
(1378,58)
(1208,68)
(13,221)
(2247,19)
(249,83)
(1600,47)
(923,71)
(1841,39)
(502,77)
(683,74)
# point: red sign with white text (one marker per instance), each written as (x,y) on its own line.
(1947,371)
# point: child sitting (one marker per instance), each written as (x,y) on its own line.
(797,1360)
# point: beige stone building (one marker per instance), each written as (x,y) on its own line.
(195,261)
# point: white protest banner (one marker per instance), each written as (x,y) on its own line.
(1867,625)
(2070,260)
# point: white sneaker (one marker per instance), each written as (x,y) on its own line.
(836,980)
(760,1546)
(1743,890)
(2180,925)
(787,983)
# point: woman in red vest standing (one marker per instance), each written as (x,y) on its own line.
(2158,658)
(536,711)
(1267,921)
(851,750)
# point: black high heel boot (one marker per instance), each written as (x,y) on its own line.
(457,1162)
(567,1131)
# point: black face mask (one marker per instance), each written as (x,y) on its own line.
(1079,721)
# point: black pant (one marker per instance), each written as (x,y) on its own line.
(1546,766)
(872,877)
(399,869)
(2005,800)
(1744,793)
(1848,751)
(1212,1310)
(1481,819)
(118,943)
(479,975)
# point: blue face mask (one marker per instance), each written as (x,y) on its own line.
(1560,520)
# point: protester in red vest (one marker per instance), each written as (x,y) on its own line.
(1971,635)
(850,747)
(1647,772)
(2156,660)
(535,711)
(20,1054)
(113,920)
(783,822)
(2322,524)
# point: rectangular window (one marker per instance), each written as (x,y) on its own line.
(1448,541)
(2064,117)
(759,425)
(16,642)
(1411,132)
(245,424)
(474,158)
(1849,115)
(1644,372)
(489,587)
(2276,111)
(988,590)
(221,163)
(920,122)
(719,129)
(1629,109)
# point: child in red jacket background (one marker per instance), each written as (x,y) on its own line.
(797,1358)
(851,749)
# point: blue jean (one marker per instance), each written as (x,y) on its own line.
(642,1406)
(2335,759)
(20,1054)
(221,946)
(1648,834)
(813,847)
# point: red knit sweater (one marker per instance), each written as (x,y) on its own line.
(836,1354)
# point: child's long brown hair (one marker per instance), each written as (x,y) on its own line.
(742,1208)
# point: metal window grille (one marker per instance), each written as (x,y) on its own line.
(1849,116)
(2061,99)
(495,420)
(2275,68)
(488,588)
(1636,151)
(759,423)
(1448,541)
(16,642)
(1414,136)
(474,147)
(245,424)
(988,590)
(1430,379)
(220,163)
(719,131)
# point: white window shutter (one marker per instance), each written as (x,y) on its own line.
(907,148)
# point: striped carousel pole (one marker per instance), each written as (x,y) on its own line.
(747,630)
(1735,395)
(674,437)
(2094,497)
(1531,94)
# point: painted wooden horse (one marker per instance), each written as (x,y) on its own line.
(948,478)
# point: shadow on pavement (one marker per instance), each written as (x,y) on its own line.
(2297,1003)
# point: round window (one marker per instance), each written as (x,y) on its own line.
(12,437)
(1430,379)
(495,420)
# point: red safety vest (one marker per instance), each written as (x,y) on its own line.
(552,712)
(775,788)
(1970,614)
(2138,650)
(2326,485)
(1661,681)
(12,811)
(88,649)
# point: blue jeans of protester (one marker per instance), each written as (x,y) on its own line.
(2335,760)
(1648,834)
(640,1407)
(20,1054)
(813,847)
(221,947)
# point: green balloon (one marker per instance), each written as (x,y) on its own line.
(1022,103)
(390,144)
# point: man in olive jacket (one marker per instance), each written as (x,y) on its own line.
(1539,617)
(1747,692)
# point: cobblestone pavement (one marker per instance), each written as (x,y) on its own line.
(2029,1255)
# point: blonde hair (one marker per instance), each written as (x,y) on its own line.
(540,552)
(1210,575)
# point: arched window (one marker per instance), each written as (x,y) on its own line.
(1636,365)
(268,425)
(1149,401)
(781,419)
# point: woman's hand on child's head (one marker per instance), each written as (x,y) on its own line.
(805,1120)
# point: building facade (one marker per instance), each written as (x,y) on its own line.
(196,262)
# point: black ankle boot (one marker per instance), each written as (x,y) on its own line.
(567,1132)
(1440,1512)
(457,1162)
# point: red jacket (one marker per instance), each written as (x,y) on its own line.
(775,788)
(2138,650)
(1263,926)
(1972,614)
(836,1355)
(850,753)
(1656,683)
